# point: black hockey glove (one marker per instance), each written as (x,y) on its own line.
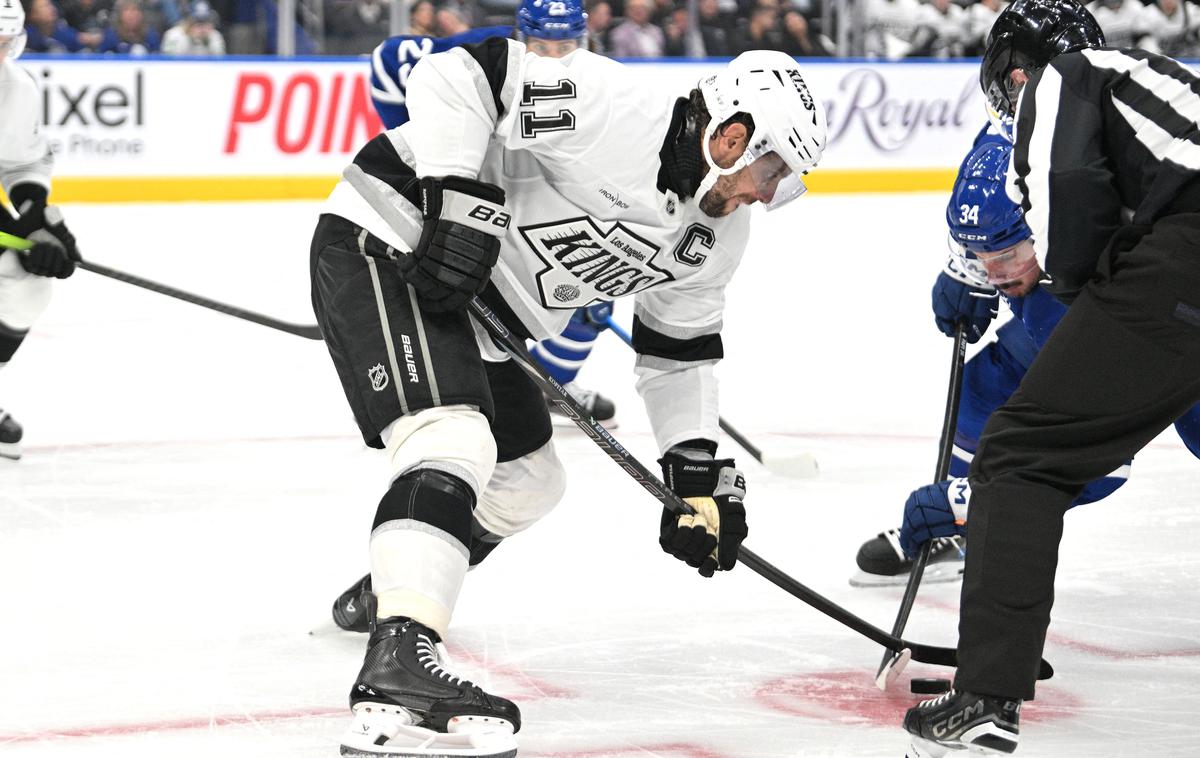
(710,539)
(53,252)
(460,242)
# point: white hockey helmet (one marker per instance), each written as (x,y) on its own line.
(12,29)
(788,121)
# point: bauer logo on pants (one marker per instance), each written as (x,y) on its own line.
(378,376)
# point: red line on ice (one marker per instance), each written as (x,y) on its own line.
(536,689)
(850,697)
(665,750)
(169,725)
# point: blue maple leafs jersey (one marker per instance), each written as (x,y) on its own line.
(394,58)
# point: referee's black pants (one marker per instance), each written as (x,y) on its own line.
(1120,367)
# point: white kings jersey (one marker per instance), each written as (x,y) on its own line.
(24,155)
(575,144)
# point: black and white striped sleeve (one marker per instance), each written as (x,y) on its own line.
(1061,175)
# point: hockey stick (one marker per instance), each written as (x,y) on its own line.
(408,228)
(938,656)
(800,466)
(311,332)
(893,663)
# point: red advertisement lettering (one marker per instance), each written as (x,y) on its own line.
(309,82)
(325,115)
(242,112)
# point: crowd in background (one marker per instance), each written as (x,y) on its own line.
(889,29)
(946,29)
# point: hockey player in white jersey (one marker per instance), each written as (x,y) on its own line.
(540,185)
(25,163)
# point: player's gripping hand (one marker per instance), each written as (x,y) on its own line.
(935,510)
(954,301)
(710,539)
(961,292)
(464,223)
(53,252)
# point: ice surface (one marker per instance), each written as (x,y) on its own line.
(194,495)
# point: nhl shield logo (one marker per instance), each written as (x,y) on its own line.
(378,377)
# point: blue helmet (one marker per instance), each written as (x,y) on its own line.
(981,216)
(552,19)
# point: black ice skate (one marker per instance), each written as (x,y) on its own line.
(601,408)
(882,563)
(10,436)
(981,724)
(355,607)
(406,704)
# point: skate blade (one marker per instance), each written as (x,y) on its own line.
(937,573)
(387,732)
(922,748)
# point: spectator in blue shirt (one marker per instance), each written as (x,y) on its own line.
(129,34)
(46,32)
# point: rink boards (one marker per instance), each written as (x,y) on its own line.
(263,129)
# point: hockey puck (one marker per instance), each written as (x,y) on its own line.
(932,686)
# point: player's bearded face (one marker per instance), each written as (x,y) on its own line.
(757,182)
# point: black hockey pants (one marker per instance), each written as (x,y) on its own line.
(1120,367)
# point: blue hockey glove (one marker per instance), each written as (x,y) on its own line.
(935,510)
(710,539)
(954,299)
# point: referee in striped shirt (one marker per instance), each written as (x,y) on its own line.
(1106,166)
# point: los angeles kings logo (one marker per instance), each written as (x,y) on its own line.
(585,264)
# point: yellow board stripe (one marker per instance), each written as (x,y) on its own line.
(882,180)
(189,189)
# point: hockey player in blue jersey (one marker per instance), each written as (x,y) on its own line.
(991,257)
(549,28)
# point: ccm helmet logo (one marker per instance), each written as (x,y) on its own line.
(802,89)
